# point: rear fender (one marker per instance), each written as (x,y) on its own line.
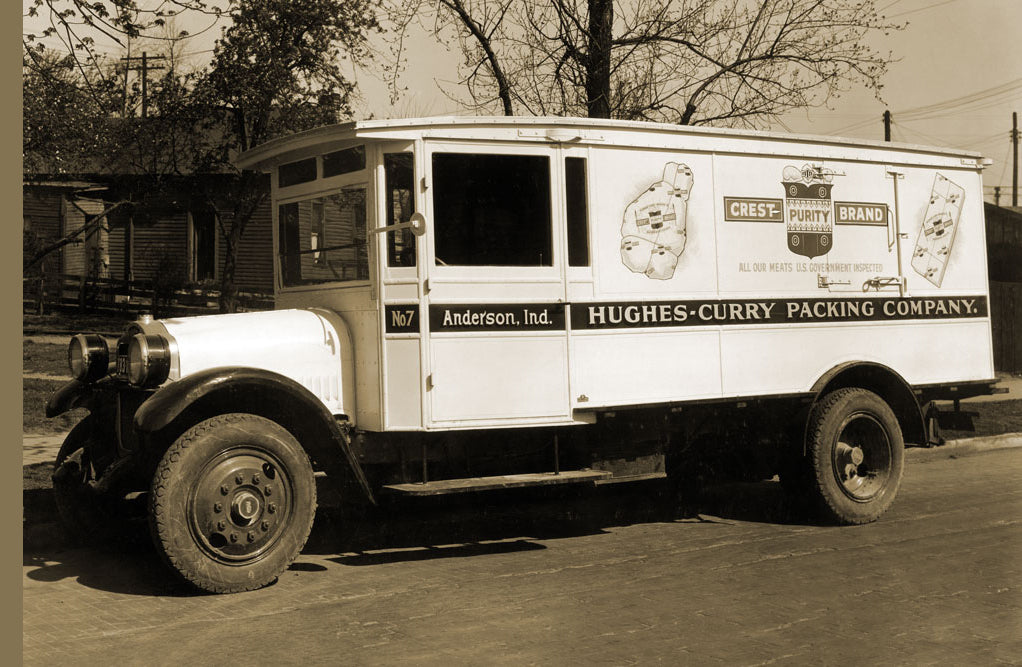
(884,382)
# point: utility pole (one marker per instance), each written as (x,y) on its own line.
(124,106)
(887,124)
(144,68)
(1014,158)
(997,195)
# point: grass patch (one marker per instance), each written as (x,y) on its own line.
(73,323)
(995,418)
(35,395)
(44,358)
(38,476)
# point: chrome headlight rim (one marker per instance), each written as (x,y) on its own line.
(148,362)
(88,357)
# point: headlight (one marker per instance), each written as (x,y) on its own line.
(88,357)
(148,360)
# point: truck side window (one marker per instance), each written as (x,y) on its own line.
(492,210)
(400,175)
(324,239)
(575,197)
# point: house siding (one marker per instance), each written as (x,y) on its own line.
(160,244)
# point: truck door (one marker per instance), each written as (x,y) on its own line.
(494,296)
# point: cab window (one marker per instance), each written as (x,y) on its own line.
(324,239)
(492,210)
(400,175)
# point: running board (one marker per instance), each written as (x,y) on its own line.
(632,478)
(444,486)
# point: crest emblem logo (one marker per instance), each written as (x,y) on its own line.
(809,210)
(654,230)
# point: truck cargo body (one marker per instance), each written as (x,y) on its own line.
(690,283)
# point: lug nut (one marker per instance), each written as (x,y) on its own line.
(265,525)
(268,490)
(220,525)
(255,478)
(218,507)
(224,490)
(234,537)
(239,478)
(271,508)
(251,537)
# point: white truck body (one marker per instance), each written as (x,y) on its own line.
(720,264)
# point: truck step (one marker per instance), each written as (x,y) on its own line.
(467,484)
(643,477)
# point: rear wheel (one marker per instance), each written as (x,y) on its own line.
(856,455)
(232,503)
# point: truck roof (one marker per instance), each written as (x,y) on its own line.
(587,131)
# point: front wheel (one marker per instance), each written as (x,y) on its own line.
(232,503)
(856,455)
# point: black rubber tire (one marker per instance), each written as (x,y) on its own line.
(846,418)
(228,452)
(86,517)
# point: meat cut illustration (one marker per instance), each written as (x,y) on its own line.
(654,226)
(937,233)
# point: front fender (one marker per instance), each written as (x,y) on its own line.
(257,391)
(72,395)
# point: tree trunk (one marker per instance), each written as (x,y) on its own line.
(601,30)
(228,289)
(232,237)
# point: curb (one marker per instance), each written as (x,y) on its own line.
(963,447)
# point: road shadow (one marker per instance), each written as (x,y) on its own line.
(466,525)
(128,567)
(405,530)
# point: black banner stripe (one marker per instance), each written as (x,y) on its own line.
(615,315)
(687,313)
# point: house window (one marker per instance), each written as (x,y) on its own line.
(203,258)
(492,210)
(318,239)
(323,239)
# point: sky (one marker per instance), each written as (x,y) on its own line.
(956,81)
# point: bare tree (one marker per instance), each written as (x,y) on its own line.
(277,68)
(730,62)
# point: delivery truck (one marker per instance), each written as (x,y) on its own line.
(470,304)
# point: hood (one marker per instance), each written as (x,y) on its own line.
(310,346)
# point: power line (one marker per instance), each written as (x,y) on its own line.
(971,98)
(921,9)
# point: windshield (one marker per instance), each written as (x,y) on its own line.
(323,239)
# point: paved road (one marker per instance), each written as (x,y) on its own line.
(610,578)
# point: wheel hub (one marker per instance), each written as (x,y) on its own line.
(862,457)
(243,483)
(245,508)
